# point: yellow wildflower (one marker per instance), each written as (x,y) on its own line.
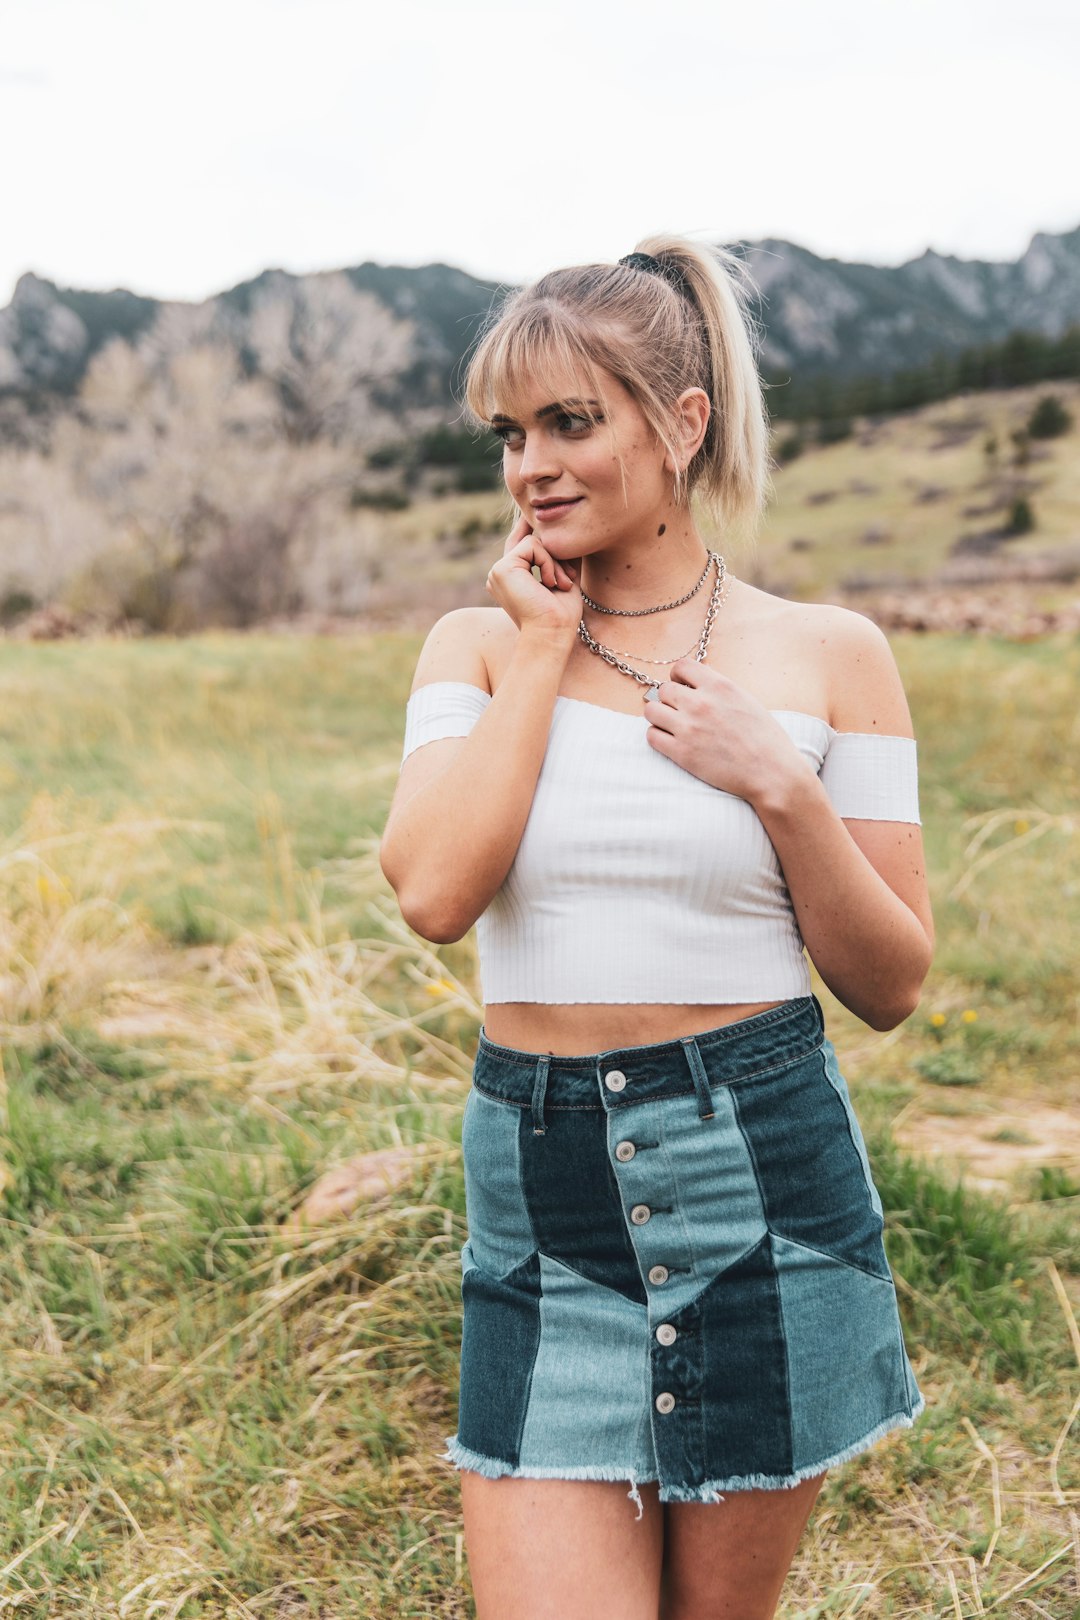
(937,1019)
(1021,824)
(969,1015)
(441,987)
(51,893)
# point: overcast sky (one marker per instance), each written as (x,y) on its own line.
(178,149)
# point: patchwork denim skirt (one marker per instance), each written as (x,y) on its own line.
(674,1270)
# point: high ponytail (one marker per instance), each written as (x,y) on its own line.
(689,326)
(730,470)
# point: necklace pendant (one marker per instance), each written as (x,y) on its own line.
(652,694)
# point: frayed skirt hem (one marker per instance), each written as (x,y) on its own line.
(496,1468)
(711,1491)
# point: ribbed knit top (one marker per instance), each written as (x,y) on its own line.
(634,880)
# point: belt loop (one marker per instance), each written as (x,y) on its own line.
(539,1088)
(701,1079)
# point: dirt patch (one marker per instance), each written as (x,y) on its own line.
(994,601)
(1000,1151)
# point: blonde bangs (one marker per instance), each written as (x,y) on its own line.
(530,350)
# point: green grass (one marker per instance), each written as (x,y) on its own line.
(207,999)
(236,737)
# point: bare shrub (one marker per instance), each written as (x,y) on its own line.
(340,560)
(327,345)
(50,523)
(243,574)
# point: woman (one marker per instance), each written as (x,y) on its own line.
(674,1277)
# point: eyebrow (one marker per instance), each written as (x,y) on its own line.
(548,410)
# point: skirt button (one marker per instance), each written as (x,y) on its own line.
(625,1151)
(658,1274)
(666,1333)
(665,1402)
(615,1081)
(640,1214)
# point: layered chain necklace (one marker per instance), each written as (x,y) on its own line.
(700,647)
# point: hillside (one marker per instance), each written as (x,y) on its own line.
(925,497)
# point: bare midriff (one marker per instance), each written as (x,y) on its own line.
(576,1029)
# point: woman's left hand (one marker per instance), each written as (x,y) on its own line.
(719,732)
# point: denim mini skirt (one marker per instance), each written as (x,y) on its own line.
(674,1270)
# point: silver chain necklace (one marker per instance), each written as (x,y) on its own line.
(641,659)
(630,613)
(716,601)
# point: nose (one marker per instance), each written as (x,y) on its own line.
(538,460)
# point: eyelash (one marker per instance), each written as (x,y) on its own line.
(567,416)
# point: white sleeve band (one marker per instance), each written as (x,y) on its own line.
(442,709)
(871,776)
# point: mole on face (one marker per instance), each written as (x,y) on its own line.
(662,529)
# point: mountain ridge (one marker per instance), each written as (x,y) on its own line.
(401,333)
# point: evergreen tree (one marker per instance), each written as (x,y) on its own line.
(1049,418)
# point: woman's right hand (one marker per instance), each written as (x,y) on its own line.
(551,604)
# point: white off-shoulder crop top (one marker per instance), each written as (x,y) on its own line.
(634,880)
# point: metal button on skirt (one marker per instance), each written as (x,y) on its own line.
(674,1268)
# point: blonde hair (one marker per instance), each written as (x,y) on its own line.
(658,341)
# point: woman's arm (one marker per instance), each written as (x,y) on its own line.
(461,803)
(858,887)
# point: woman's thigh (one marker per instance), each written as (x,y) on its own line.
(556,1549)
(728,1560)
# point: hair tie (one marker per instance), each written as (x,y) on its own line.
(671,273)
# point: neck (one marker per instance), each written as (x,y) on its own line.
(639,574)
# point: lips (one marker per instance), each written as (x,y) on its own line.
(555,509)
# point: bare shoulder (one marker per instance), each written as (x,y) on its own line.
(866,692)
(460,647)
(807,624)
(838,652)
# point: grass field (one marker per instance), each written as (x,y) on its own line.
(208,999)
